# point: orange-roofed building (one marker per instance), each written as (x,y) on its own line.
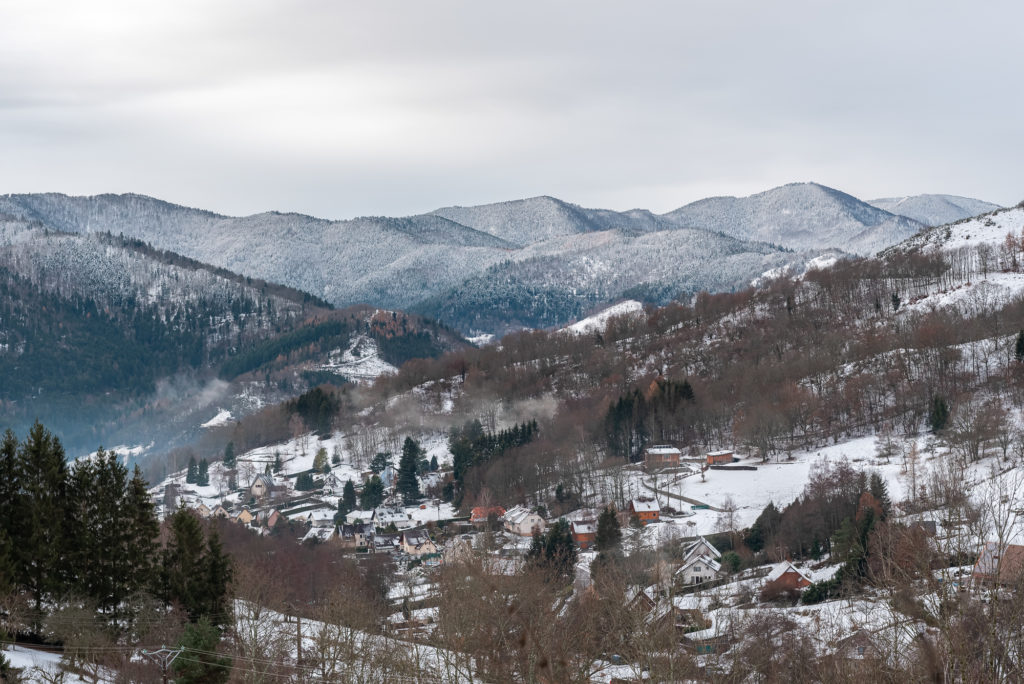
(480,514)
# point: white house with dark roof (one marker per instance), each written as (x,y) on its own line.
(522,521)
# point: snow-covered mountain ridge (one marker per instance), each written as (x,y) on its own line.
(525,263)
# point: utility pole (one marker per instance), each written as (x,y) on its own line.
(164,657)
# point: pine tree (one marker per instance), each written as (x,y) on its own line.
(304,482)
(407,485)
(554,551)
(40,542)
(1018,350)
(609,532)
(373,494)
(203,473)
(277,462)
(880,490)
(11,513)
(229,455)
(433,464)
(347,502)
(938,414)
(181,558)
(198,663)
(217,575)
(192,474)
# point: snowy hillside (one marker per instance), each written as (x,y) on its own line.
(934,210)
(800,216)
(599,321)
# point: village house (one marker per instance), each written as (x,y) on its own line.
(723,457)
(522,521)
(480,514)
(333,484)
(321,517)
(269,518)
(699,569)
(244,517)
(787,577)
(355,536)
(584,533)
(386,543)
(417,543)
(261,487)
(662,456)
(383,516)
(999,566)
(220,512)
(320,535)
(646,510)
(202,510)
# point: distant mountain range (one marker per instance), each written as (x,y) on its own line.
(526,263)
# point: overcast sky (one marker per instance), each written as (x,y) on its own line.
(339,109)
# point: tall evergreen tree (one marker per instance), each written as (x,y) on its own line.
(347,502)
(192,473)
(1018,349)
(40,542)
(11,513)
(554,551)
(609,532)
(203,473)
(229,455)
(407,485)
(373,494)
(195,572)
(938,414)
(880,490)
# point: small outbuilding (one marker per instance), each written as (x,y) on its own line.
(721,457)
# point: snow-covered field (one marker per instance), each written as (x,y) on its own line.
(39,666)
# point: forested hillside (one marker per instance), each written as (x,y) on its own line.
(98,332)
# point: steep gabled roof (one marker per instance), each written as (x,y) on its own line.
(781,569)
(701,547)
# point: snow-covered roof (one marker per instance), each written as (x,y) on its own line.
(641,506)
(384,516)
(781,569)
(720,452)
(663,449)
(710,562)
(519,514)
(320,534)
(701,547)
(584,527)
